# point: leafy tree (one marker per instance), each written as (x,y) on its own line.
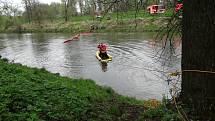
(9,13)
(66,9)
(28,9)
(53,11)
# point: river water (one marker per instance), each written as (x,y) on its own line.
(138,68)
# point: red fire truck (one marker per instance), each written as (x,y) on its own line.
(154,9)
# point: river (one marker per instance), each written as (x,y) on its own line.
(137,69)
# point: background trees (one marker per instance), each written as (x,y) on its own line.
(9,14)
(35,11)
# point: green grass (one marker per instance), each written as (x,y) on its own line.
(160,113)
(34,94)
(81,18)
(140,14)
(76,24)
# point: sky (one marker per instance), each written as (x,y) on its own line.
(42,1)
(21,6)
(19,2)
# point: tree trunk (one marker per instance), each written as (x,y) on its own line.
(81,6)
(99,3)
(27,9)
(198,57)
(66,6)
(174,2)
(165,3)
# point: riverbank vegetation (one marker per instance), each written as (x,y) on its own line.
(36,94)
(98,16)
(150,24)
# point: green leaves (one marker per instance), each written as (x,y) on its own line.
(35,95)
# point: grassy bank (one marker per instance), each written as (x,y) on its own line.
(36,95)
(113,22)
(139,25)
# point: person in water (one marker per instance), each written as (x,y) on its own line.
(103,51)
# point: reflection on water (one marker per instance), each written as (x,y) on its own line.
(104,66)
(136,69)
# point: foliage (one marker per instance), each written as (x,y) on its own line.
(159,111)
(140,14)
(35,94)
(40,13)
(83,23)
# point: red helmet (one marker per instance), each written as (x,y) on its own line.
(102,47)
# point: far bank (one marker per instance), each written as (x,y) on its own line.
(148,24)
